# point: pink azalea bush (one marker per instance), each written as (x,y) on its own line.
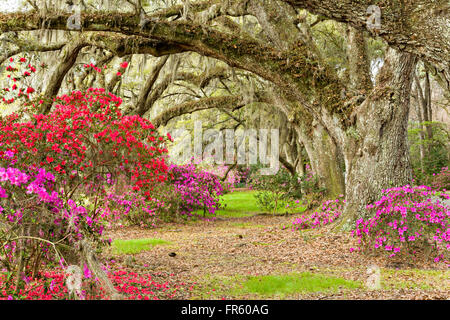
(328,212)
(441,180)
(129,207)
(35,218)
(199,189)
(406,220)
(233,177)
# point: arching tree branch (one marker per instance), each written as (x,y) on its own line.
(226,102)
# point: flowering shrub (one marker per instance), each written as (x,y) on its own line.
(327,213)
(83,145)
(60,172)
(36,221)
(441,180)
(133,209)
(406,220)
(50,285)
(17,78)
(234,175)
(169,202)
(84,139)
(128,206)
(199,189)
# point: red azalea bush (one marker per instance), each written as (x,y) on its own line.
(51,285)
(61,171)
(83,139)
(407,220)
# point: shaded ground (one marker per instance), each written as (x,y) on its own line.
(216,257)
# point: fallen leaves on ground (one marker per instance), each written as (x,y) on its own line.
(262,245)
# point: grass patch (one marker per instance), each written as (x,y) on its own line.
(241,204)
(269,286)
(305,282)
(245,225)
(237,204)
(136,245)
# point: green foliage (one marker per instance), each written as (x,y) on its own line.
(436,150)
(280,190)
(275,190)
(136,245)
(237,204)
(269,200)
(296,283)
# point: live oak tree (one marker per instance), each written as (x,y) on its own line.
(366,123)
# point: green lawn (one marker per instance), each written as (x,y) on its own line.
(271,286)
(135,245)
(305,282)
(239,204)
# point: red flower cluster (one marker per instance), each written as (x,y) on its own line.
(15,77)
(83,134)
(50,285)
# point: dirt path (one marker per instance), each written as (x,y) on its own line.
(217,255)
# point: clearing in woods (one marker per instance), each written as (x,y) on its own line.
(251,256)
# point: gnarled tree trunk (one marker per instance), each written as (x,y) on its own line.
(376,151)
(324,162)
(323,156)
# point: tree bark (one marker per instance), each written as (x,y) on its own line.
(322,152)
(358,62)
(67,59)
(420,125)
(231,103)
(376,152)
(323,156)
(145,90)
(93,264)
